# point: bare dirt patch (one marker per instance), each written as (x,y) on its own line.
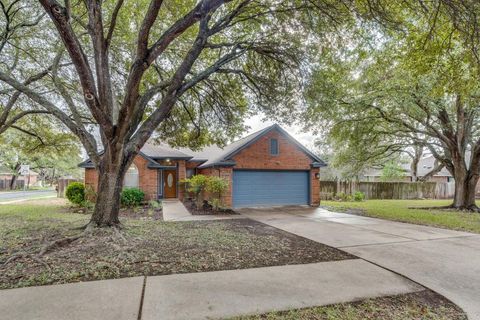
(148,248)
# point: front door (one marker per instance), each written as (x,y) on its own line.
(170,183)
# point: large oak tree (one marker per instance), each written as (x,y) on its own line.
(412,86)
(191,69)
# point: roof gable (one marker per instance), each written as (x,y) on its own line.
(213,155)
(234,148)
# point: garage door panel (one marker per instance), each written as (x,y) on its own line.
(270,188)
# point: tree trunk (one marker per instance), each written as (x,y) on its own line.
(465,189)
(417,155)
(111,173)
(13,181)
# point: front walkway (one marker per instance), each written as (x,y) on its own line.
(174,210)
(205,295)
(445,261)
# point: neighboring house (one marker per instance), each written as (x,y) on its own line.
(266,168)
(6,176)
(425,165)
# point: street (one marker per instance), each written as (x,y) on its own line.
(9,196)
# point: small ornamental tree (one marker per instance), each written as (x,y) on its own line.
(196,185)
(216,187)
(201,186)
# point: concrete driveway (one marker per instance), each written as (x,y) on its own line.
(445,261)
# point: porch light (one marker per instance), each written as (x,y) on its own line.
(317,175)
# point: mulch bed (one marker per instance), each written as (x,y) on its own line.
(424,305)
(206,209)
(155,248)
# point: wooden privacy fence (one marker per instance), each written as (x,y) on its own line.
(387,190)
(5,184)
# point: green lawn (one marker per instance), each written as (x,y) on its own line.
(424,305)
(404,211)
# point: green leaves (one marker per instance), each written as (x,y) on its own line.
(403,68)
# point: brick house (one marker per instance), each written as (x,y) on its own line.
(266,168)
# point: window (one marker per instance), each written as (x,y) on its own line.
(131,177)
(190,173)
(274,147)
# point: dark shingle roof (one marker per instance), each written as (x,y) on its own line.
(213,155)
(161,151)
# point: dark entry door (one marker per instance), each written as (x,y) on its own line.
(170,183)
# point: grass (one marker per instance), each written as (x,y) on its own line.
(424,305)
(145,247)
(405,211)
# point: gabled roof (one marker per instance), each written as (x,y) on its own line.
(161,151)
(224,156)
(212,155)
(151,152)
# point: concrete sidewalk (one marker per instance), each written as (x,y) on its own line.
(224,294)
(103,300)
(445,261)
(206,295)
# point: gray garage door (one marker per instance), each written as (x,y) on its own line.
(253,188)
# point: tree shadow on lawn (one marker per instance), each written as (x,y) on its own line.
(150,248)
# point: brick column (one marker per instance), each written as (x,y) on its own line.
(227,174)
(314,188)
(182,174)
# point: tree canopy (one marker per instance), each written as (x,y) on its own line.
(191,70)
(410,82)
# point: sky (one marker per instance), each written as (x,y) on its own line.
(257,123)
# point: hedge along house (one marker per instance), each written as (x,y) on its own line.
(266,168)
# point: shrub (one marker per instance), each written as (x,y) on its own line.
(88,205)
(155,204)
(201,184)
(196,184)
(359,196)
(215,203)
(216,185)
(75,193)
(341,196)
(132,197)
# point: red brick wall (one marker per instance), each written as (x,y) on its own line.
(91,178)
(182,174)
(257,155)
(147,180)
(314,187)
